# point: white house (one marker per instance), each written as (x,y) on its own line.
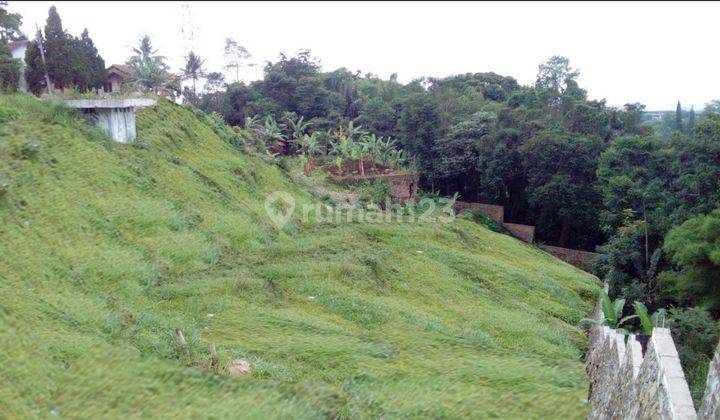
(17,50)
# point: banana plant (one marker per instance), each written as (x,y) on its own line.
(612,313)
(309,148)
(251,123)
(647,322)
(297,128)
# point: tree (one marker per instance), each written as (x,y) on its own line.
(69,61)
(554,75)
(58,51)
(214,81)
(88,67)
(695,246)
(560,174)
(151,71)
(420,130)
(236,55)
(193,69)
(9,24)
(678,118)
(457,153)
(691,120)
(9,69)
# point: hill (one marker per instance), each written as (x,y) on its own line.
(106,249)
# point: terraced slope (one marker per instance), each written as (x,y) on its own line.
(106,249)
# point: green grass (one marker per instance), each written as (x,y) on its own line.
(106,248)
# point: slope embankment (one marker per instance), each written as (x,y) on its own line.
(106,249)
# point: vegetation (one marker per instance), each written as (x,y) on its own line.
(69,61)
(108,248)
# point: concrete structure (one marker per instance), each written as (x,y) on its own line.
(17,50)
(525,233)
(116,117)
(495,212)
(627,383)
(118,74)
(710,407)
(580,259)
(403,186)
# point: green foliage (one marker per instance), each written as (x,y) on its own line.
(696,335)
(9,69)
(612,313)
(151,70)
(193,70)
(70,61)
(9,24)
(374,192)
(694,247)
(108,248)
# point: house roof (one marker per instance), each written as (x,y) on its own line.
(122,70)
(18,44)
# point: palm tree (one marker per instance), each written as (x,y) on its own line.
(193,69)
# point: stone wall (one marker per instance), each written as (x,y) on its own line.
(580,259)
(629,383)
(403,186)
(525,233)
(496,213)
(710,407)
(624,383)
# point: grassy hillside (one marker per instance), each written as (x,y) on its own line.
(106,248)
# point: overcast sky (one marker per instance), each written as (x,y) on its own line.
(654,53)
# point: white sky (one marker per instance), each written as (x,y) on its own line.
(654,53)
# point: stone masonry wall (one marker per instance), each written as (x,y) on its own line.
(710,407)
(525,233)
(627,384)
(574,257)
(496,213)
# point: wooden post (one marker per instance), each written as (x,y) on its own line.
(181,340)
(213,357)
(42,55)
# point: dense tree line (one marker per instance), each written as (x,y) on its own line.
(69,61)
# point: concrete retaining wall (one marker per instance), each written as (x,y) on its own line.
(580,259)
(710,407)
(525,233)
(627,384)
(496,213)
(403,186)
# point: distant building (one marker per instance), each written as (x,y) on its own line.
(653,115)
(118,75)
(17,50)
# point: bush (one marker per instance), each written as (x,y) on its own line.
(375,192)
(695,334)
(477,216)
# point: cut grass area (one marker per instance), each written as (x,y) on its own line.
(106,248)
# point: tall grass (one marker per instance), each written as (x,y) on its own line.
(106,249)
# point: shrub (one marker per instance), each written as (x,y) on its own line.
(695,334)
(477,216)
(374,192)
